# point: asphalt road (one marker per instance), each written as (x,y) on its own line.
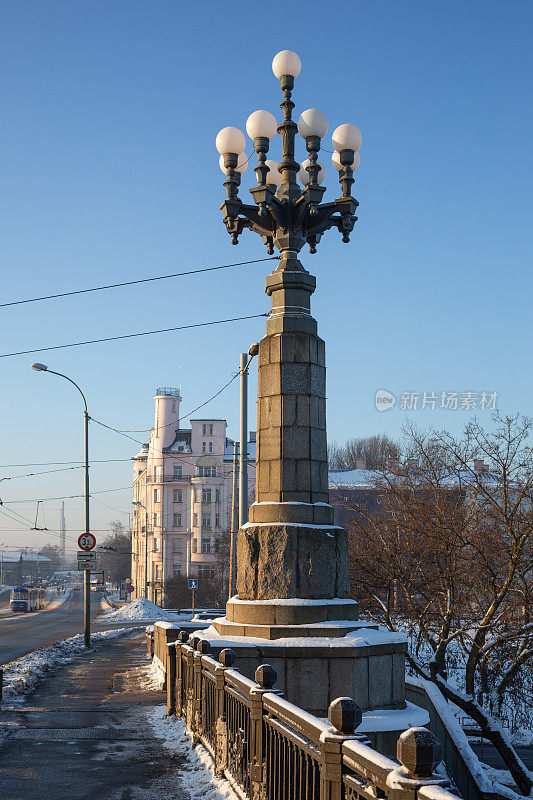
(22,633)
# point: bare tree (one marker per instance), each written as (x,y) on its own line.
(447,557)
(114,554)
(374,451)
(53,552)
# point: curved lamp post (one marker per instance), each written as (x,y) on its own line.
(87,575)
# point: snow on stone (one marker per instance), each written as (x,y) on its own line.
(22,675)
(394,719)
(140,610)
(359,638)
(196,765)
(293,601)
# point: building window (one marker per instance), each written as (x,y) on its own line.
(157,495)
(195,519)
(217,520)
(158,473)
(217,495)
(176,546)
(206,521)
(211,430)
(156,545)
(206,545)
(177,496)
(178,471)
(204,447)
(194,546)
(206,571)
(177,520)
(207,472)
(204,430)
(176,569)
(157,520)
(206,495)
(210,447)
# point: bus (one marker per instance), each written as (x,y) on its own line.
(25,598)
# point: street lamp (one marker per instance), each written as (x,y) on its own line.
(138,503)
(86,573)
(291,516)
(285,215)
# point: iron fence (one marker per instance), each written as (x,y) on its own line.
(269,749)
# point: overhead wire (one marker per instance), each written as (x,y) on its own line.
(132,283)
(133,335)
(32,474)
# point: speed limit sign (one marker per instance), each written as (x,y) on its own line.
(86,541)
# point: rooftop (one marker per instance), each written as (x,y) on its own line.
(15,555)
(168,391)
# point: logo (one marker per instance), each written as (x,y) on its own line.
(384,400)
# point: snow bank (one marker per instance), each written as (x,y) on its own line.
(22,675)
(140,610)
(196,765)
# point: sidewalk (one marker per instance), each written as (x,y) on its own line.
(85,733)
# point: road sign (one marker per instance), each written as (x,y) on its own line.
(193,583)
(86,561)
(86,541)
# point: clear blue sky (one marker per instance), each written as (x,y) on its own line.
(109,173)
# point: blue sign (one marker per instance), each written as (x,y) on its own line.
(193,583)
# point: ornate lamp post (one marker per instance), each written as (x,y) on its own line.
(285,215)
(292,560)
(290,548)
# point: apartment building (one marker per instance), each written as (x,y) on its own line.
(182,495)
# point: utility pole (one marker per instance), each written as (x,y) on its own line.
(138,503)
(234,526)
(86,573)
(243,460)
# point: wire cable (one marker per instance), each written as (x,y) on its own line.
(181,418)
(32,474)
(132,283)
(55,463)
(132,335)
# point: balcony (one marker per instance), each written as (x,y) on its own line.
(152,477)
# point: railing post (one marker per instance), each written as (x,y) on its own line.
(204,648)
(182,639)
(227,659)
(419,752)
(266,676)
(189,686)
(344,716)
(171,679)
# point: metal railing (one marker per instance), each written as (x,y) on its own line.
(153,477)
(269,748)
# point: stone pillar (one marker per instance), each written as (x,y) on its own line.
(290,548)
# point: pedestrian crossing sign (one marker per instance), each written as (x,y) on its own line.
(193,583)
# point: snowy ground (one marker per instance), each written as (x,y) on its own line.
(196,774)
(141,610)
(22,675)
